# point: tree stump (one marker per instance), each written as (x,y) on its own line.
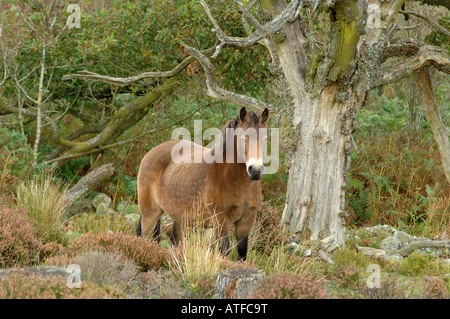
(238,283)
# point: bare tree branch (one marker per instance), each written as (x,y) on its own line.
(426,56)
(214,90)
(431,22)
(444,3)
(87,75)
(119,143)
(288,14)
(401,47)
(440,130)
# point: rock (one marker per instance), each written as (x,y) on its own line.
(293,239)
(420,239)
(44,271)
(371,252)
(403,237)
(325,256)
(394,257)
(329,243)
(102,209)
(127,208)
(391,244)
(101,199)
(132,219)
(292,248)
(380,231)
(307,253)
(238,283)
(80,206)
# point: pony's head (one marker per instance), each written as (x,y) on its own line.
(249,132)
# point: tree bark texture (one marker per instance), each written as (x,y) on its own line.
(88,182)
(440,131)
(323,118)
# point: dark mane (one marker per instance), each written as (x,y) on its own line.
(252,117)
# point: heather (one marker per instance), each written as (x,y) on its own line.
(75,125)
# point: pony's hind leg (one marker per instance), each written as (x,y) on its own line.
(150,224)
(176,235)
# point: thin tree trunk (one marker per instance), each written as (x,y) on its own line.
(39,107)
(439,129)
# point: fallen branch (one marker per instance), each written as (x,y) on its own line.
(420,244)
(89,181)
(405,251)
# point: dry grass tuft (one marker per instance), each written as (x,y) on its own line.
(43,197)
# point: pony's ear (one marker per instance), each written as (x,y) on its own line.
(242,113)
(265,114)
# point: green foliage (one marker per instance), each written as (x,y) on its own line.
(358,199)
(85,222)
(71,170)
(16,156)
(387,115)
(417,264)
(439,38)
(395,177)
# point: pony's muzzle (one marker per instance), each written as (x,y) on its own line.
(255,172)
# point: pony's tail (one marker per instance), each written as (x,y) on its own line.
(139,228)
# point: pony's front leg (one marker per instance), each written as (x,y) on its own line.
(224,245)
(242,229)
(222,235)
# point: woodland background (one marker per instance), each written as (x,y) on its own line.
(54,131)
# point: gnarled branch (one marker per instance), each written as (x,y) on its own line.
(87,75)
(262,31)
(89,181)
(427,55)
(214,90)
(401,47)
(434,24)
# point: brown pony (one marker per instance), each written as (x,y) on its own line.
(230,192)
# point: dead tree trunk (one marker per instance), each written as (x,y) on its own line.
(88,182)
(439,129)
(325,89)
(323,119)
